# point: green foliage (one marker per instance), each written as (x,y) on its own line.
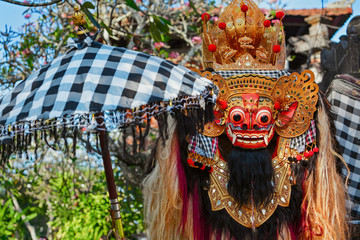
(9,220)
(71,200)
(132,4)
(85,8)
(86,217)
(159,29)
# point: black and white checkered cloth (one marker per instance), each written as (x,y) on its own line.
(203,145)
(268,73)
(345,99)
(94,79)
(299,143)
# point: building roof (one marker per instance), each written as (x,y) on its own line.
(319,11)
(295,24)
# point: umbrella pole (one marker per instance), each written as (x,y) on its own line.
(115,206)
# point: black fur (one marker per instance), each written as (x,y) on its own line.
(252,172)
(283,216)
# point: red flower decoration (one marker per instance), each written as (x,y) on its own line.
(222,104)
(267,23)
(306,154)
(315,150)
(298,157)
(277,106)
(222,25)
(205,17)
(190,162)
(212,47)
(276,48)
(280,15)
(244,8)
(311,153)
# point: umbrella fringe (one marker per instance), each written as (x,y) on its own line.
(146,133)
(64,136)
(134,145)
(36,144)
(193,112)
(88,144)
(74,141)
(55,134)
(124,142)
(45,139)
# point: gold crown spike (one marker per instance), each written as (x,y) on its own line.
(79,20)
(243,39)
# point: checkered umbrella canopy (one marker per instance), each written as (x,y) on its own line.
(343,94)
(95,79)
(124,84)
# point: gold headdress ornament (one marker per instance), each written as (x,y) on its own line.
(243,39)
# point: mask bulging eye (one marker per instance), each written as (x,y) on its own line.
(237,116)
(263,117)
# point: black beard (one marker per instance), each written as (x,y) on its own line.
(251,176)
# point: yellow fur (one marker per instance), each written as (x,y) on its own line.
(325,194)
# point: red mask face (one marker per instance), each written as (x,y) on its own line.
(250,123)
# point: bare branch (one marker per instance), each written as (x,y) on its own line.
(27,223)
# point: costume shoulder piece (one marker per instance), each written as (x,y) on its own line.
(262,168)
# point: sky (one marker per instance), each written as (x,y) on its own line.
(12,15)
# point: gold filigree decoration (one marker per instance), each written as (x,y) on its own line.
(302,89)
(202,159)
(250,83)
(212,129)
(247,215)
(245,43)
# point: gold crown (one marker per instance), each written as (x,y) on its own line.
(244,83)
(250,83)
(243,38)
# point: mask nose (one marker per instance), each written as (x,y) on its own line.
(251,101)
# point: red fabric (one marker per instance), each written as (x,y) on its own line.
(182,185)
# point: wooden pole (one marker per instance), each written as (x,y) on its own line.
(115,207)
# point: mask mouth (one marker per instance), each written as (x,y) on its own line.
(250,138)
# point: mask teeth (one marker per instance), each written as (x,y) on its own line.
(232,135)
(266,139)
(234,138)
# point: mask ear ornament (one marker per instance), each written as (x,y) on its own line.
(295,98)
(217,127)
(285,116)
